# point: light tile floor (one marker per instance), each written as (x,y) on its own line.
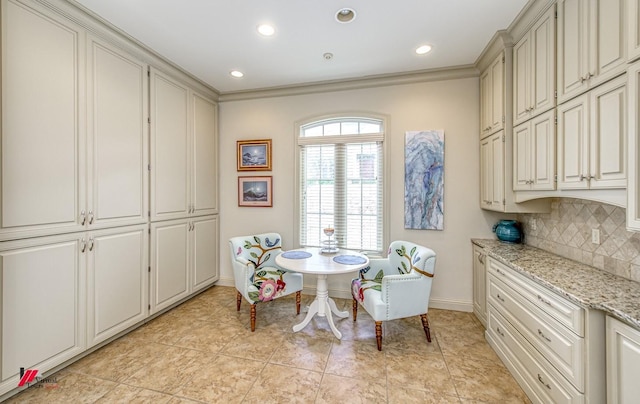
(204,351)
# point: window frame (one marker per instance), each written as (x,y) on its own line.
(382,137)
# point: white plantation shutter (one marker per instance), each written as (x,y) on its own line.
(341,183)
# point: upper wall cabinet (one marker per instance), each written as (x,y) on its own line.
(534,67)
(592,44)
(61,171)
(633,29)
(492,97)
(592,138)
(633,137)
(534,144)
(183,150)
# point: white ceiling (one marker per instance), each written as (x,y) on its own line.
(209,38)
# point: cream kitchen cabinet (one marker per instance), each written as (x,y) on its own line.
(633,30)
(592,138)
(492,154)
(43,303)
(534,153)
(117,280)
(90,171)
(183,150)
(479,284)
(534,69)
(553,347)
(633,138)
(184,256)
(623,362)
(492,87)
(592,44)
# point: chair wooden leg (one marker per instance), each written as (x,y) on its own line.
(298,302)
(253,317)
(425,325)
(355,309)
(379,334)
(238,300)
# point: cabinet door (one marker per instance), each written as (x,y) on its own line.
(486,171)
(633,156)
(608,42)
(497,94)
(608,135)
(169,263)
(170,165)
(43,303)
(543,141)
(633,30)
(623,362)
(522,157)
(204,193)
(497,171)
(117,280)
(42,124)
(573,51)
(479,284)
(117,137)
(204,235)
(543,60)
(573,147)
(522,80)
(485,102)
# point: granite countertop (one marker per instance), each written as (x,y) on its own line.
(582,284)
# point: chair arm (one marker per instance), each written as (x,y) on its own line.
(381,264)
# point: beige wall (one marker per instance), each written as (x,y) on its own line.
(451,105)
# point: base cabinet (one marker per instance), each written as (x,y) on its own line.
(623,362)
(553,348)
(43,309)
(183,259)
(118,281)
(479,284)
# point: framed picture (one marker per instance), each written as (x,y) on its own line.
(254,155)
(255,191)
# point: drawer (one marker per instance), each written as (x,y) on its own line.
(561,347)
(564,311)
(544,381)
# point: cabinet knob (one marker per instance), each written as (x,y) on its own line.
(83,218)
(84,245)
(90,217)
(91,244)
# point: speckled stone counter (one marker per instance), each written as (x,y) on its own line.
(587,286)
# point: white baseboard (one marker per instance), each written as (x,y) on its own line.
(444,304)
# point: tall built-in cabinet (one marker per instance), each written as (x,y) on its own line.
(76,199)
(633,190)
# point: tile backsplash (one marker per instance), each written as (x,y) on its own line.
(567,231)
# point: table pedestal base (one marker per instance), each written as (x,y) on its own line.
(323,306)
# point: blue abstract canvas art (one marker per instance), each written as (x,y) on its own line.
(424,180)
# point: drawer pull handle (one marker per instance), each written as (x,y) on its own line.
(500,272)
(540,333)
(499,332)
(500,297)
(543,300)
(543,383)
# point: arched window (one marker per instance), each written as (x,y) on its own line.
(340,169)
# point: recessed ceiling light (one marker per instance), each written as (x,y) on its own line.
(345,15)
(236,73)
(266,29)
(421,50)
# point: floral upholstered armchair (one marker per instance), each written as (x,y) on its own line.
(257,277)
(398,286)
